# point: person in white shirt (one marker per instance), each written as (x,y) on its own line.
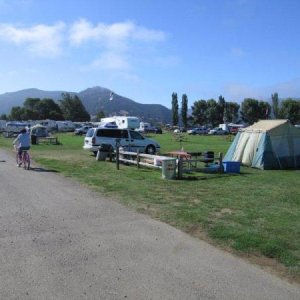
(22,142)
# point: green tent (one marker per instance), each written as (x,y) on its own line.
(267,144)
(39,130)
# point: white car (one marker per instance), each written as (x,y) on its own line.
(218,131)
(82,130)
(129,139)
(198,130)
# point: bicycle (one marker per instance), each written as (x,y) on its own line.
(23,158)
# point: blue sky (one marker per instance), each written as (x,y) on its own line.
(147,49)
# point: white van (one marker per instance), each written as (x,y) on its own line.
(129,139)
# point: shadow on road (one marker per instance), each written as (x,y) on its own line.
(43,170)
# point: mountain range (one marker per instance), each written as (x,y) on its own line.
(94,99)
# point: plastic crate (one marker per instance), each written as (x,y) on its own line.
(231,166)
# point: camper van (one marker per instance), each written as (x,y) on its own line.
(122,122)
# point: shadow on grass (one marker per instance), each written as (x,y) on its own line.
(43,170)
(213,176)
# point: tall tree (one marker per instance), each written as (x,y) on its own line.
(290,109)
(73,109)
(231,112)
(49,109)
(3,117)
(221,109)
(17,113)
(175,117)
(30,106)
(212,112)
(250,110)
(31,103)
(275,105)
(199,112)
(264,110)
(184,110)
(253,110)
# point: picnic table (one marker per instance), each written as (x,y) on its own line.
(179,154)
(48,140)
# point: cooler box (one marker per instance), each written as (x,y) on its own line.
(231,166)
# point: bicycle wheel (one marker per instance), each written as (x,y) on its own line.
(26,160)
(19,160)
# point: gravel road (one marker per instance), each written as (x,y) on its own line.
(59,240)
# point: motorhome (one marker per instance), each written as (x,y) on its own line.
(122,122)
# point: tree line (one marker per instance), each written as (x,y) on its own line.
(251,110)
(68,108)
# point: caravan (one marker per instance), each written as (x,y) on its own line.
(14,127)
(65,126)
(49,124)
(143,127)
(122,122)
(2,125)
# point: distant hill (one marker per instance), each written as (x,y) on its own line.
(8,100)
(94,99)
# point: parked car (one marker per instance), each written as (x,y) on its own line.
(198,130)
(156,130)
(82,130)
(218,131)
(129,139)
(234,130)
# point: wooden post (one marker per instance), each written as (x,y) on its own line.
(179,168)
(118,153)
(117,158)
(110,154)
(138,159)
(221,168)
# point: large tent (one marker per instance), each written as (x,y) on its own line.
(267,144)
(39,130)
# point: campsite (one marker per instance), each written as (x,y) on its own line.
(254,214)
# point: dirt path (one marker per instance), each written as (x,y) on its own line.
(59,240)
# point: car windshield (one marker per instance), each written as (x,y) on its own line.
(90,132)
(135,135)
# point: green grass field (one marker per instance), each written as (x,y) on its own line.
(254,214)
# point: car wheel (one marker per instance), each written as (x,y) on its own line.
(150,149)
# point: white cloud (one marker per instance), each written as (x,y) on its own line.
(120,45)
(41,40)
(112,34)
(118,41)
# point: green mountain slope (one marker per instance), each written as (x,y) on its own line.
(94,99)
